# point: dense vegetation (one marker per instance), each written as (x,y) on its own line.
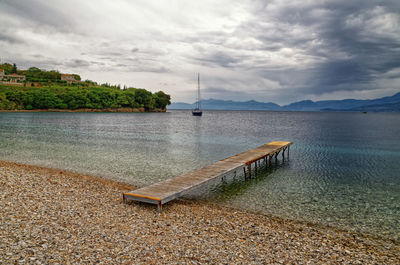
(70,97)
(45,90)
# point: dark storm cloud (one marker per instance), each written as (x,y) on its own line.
(365,33)
(338,72)
(147,69)
(38,13)
(78,63)
(219,59)
(39,61)
(213,90)
(337,75)
(10,38)
(370,55)
(114,54)
(223,93)
(28,27)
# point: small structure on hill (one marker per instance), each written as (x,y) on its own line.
(16,78)
(69,78)
(11,79)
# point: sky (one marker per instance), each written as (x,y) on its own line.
(271,51)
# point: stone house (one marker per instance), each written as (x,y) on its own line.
(69,78)
(12,79)
(15,78)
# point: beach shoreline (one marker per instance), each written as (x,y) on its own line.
(52,215)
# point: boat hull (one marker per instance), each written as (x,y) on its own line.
(197,113)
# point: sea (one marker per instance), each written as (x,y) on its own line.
(343,169)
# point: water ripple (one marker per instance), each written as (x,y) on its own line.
(343,168)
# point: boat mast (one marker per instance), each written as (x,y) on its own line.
(198,91)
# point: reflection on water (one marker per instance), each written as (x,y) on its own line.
(343,167)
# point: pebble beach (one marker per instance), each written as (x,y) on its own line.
(50,216)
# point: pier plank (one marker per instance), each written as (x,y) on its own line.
(167,190)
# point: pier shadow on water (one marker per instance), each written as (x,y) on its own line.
(229,186)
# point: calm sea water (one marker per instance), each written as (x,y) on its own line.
(344,168)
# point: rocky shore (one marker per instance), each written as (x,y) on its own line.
(50,216)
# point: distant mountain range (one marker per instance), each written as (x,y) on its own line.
(387,104)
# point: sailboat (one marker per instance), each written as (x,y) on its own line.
(197,111)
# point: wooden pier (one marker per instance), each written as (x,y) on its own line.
(165,191)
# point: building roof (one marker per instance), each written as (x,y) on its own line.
(1,69)
(16,75)
(67,75)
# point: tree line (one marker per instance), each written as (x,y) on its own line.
(61,97)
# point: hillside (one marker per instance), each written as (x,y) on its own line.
(386,104)
(36,89)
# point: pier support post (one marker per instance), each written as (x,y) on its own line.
(223,179)
(266,162)
(255,168)
(249,169)
(244,173)
(159,207)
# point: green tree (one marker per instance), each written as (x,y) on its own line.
(144,98)
(162,100)
(77,77)
(52,75)
(5,103)
(7,68)
(14,69)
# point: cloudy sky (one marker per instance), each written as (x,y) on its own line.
(280,51)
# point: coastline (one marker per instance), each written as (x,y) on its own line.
(52,215)
(129,110)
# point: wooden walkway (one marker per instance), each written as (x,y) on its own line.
(165,191)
